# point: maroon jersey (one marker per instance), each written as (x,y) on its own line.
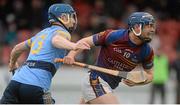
(119,53)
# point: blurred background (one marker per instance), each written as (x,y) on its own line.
(22,19)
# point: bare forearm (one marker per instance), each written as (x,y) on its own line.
(16,52)
(149,76)
(89,40)
(14,56)
(73,53)
(66,45)
(60,42)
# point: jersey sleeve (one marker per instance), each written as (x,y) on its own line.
(64,34)
(100,38)
(28,42)
(148,60)
(107,37)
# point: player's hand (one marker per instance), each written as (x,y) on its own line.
(68,60)
(13,67)
(82,45)
(131,83)
(128,82)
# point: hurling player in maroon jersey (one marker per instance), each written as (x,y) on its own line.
(121,49)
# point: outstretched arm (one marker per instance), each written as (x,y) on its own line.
(148,68)
(69,59)
(62,41)
(15,53)
(99,39)
(148,75)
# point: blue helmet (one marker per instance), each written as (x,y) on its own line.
(142,18)
(56,10)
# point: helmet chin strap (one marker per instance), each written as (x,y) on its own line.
(59,20)
(140,36)
(65,22)
(70,29)
(137,34)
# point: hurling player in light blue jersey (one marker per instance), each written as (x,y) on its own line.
(31,82)
(122,50)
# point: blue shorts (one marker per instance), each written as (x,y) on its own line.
(19,93)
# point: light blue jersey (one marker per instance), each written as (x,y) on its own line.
(41,49)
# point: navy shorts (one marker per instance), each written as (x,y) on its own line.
(19,93)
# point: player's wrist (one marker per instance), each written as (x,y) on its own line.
(73,46)
(71,54)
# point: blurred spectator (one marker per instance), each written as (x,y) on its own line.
(84,10)
(99,7)
(21,13)
(176,67)
(2,35)
(129,10)
(97,23)
(114,8)
(161,73)
(10,37)
(168,34)
(37,14)
(4,10)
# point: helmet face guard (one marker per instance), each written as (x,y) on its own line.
(74,17)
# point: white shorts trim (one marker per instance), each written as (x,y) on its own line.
(92,89)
